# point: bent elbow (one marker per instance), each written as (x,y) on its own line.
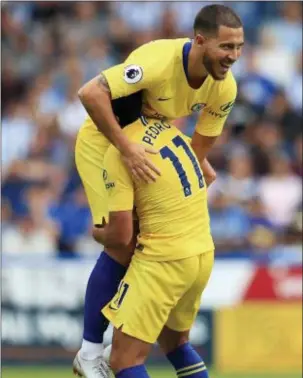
(82,93)
(91,91)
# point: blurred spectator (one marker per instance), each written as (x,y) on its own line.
(140,16)
(40,200)
(50,100)
(280,191)
(74,219)
(298,159)
(279,111)
(243,114)
(289,251)
(257,89)
(119,32)
(273,60)
(294,89)
(85,245)
(18,131)
(169,25)
(186,12)
(97,58)
(262,236)
(34,231)
(249,11)
(238,183)
(12,88)
(229,224)
(83,25)
(6,215)
(265,138)
(287,29)
(73,113)
(28,237)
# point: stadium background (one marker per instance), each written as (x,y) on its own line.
(250,320)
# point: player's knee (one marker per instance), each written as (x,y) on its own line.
(171,340)
(121,359)
(183,339)
(174,344)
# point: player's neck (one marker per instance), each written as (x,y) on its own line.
(196,73)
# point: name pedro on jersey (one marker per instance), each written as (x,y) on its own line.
(153,131)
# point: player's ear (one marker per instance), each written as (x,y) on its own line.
(199,40)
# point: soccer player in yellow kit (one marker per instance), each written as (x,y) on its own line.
(174,254)
(174,78)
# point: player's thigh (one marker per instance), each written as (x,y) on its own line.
(89,156)
(127,351)
(147,294)
(183,315)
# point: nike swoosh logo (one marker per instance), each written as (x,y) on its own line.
(164,98)
(112,308)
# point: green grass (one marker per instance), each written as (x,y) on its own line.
(63,372)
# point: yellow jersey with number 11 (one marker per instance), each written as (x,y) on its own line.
(172,211)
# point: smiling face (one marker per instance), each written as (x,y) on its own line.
(218,53)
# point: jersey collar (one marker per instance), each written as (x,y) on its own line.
(185,53)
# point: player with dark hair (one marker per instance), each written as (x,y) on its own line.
(162,80)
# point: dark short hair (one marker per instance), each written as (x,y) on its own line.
(211,17)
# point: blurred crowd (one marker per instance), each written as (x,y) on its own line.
(49,49)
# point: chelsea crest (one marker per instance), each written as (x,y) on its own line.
(198,107)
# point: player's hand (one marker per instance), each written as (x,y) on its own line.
(138,164)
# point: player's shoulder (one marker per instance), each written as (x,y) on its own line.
(157,57)
(163,44)
(164,49)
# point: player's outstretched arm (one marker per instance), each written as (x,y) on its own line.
(96,98)
(202,145)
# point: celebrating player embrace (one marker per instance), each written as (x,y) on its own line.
(159,82)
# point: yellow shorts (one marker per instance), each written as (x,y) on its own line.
(90,150)
(154,294)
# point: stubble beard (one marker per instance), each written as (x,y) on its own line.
(209,64)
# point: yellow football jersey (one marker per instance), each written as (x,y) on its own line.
(173,213)
(159,69)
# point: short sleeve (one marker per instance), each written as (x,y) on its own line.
(141,70)
(214,115)
(118,182)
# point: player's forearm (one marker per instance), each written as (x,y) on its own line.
(202,145)
(96,98)
(208,172)
(107,238)
(111,237)
(122,256)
